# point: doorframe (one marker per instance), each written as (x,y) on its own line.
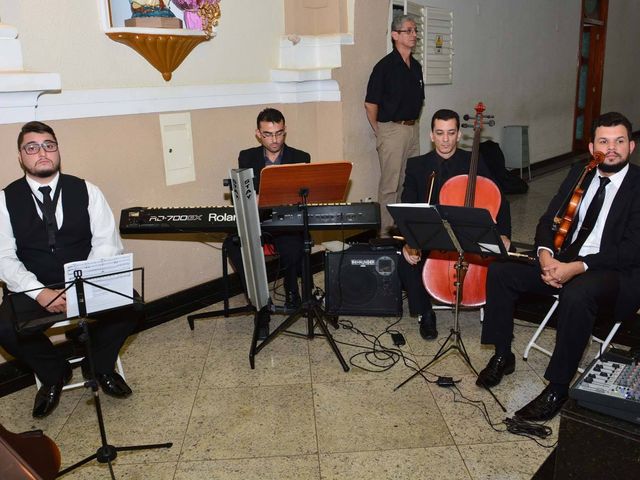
(597,29)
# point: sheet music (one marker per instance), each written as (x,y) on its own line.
(410,205)
(98,299)
(490,247)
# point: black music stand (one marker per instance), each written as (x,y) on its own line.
(301,184)
(25,319)
(454,229)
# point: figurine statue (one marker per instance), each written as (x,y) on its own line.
(150,8)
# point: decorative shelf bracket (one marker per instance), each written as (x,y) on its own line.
(164,48)
(164,52)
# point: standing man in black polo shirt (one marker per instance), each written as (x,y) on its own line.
(395,95)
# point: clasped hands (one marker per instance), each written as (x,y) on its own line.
(556,273)
(46,299)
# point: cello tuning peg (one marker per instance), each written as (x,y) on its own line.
(491,123)
(488,116)
(466,116)
(466,125)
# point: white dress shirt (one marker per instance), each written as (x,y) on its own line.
(592,243)
(105,238)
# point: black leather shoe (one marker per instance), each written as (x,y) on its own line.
(292,302)
(48,396)
(113,385)
(544,407)
(263,324)
(428,329)
(498,367)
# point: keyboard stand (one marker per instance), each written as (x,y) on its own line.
(226,311)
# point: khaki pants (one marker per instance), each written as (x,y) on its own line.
(395,143)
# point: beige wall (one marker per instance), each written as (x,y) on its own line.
(245,49)
(621,66)
(315,17)
(122,155)
(370,43)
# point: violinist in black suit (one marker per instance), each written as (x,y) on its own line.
(271,132)
(598,266)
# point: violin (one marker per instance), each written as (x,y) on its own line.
(439,274)
(28,455)
(562,222)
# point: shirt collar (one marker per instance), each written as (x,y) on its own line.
(278,160)
(34,185)
(618,177)
(399,58)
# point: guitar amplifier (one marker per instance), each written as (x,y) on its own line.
(361,281)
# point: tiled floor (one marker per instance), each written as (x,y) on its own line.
(298,415)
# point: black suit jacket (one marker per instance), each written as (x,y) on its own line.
(254,158)
(620,243)
(416,180)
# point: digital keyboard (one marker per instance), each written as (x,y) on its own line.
(329,216)
(611,385)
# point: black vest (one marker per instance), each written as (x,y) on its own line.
(73,240)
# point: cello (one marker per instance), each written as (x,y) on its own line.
(28,455)
(439,273)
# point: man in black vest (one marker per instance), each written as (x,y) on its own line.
(271,132)
(598,266)
(48,219)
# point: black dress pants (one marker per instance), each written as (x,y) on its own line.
(107,334)
(579,302)
(290,248)
(411,278)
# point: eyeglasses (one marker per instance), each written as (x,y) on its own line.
(409,31)
(33,148)
(267,135)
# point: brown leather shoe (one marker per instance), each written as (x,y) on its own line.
(498,367)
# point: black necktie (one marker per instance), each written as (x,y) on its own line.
(590,218)
(49,215)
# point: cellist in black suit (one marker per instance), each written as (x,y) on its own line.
(271,132)
(598,266)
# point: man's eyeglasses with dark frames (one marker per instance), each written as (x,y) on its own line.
(409,31)
(268,135)
(33,148)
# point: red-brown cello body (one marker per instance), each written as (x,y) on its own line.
(28,455)
(439,274)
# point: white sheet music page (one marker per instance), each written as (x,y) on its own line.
(118,277)
(412,205)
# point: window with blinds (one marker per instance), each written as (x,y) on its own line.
(438,52)
(434,49)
